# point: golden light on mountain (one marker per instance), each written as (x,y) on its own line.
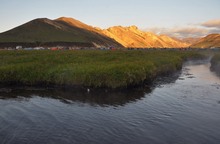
(71,30)
(129,36)
(212,40)
(133,37)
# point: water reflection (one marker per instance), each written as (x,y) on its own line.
(98,97)
(178,108)
(93,97)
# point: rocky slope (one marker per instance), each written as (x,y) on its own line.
(135,38)
(73,32)
(60,30)
(212,40)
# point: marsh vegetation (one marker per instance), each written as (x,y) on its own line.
(215,63)
(89,68)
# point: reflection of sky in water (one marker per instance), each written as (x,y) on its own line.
(185,110)
(201,73)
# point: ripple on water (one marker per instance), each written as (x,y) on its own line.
(179,111)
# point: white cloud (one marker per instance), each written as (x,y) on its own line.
(190,30)
(212,23)
(215,31)
(180,32)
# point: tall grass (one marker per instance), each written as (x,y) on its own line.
(90,68)
(215,63)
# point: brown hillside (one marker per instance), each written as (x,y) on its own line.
(212,40)
(68,30)
(133,37)
(52,31)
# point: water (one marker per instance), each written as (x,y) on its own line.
(182,109)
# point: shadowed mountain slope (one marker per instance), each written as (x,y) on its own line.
(212,40)
(45,30)
(71,32)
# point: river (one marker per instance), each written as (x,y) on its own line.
(180,109)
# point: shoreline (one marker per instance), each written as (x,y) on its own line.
(215,64)
(145,86)
(111,70)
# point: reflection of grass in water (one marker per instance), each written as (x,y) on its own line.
(93,68)
(95,97)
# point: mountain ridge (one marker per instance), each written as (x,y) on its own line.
(44,30)
(209,41)
(133,37)
(70,30)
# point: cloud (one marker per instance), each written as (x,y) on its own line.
(190,30)
(156,30)
(212,23)
(180,32)
(214,31)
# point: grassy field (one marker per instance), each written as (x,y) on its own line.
(89,68)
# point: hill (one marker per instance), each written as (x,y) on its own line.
(71,32)
(133,37)
(52,31)
(190,40)
(212,40)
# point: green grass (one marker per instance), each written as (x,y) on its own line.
(90,68)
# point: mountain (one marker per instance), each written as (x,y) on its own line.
(212,40)
(173,43)
(71,32)
(191,40)
(63,30)
(75,23)
(134,38)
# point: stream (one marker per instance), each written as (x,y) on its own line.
(181,109)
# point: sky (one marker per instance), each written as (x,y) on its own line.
(179,18)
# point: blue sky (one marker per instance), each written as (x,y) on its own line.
(170,17)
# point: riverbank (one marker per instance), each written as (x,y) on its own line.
(215,63)
(184,108)
(89,68)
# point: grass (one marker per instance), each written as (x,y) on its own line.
(215,63)
(89,68)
